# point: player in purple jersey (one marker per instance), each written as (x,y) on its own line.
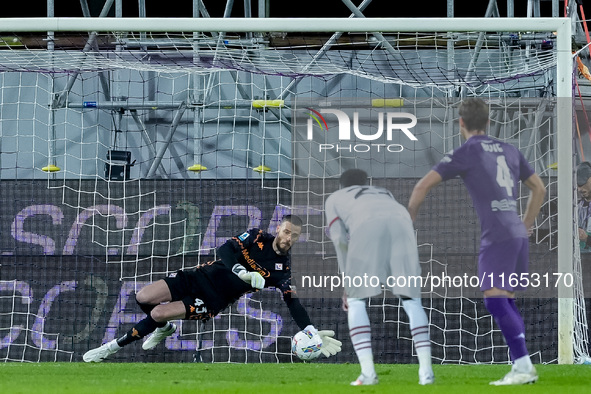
(491,170)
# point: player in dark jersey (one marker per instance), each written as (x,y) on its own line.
(248,262)
(491,171)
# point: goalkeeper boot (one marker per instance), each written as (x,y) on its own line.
(159,335)
(364,380)
(100,353)
(515,377)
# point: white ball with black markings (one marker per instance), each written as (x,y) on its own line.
(306,345)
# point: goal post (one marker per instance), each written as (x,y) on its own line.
(269,170)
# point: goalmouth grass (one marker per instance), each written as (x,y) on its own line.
(160,378)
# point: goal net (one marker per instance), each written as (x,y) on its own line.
(133,148)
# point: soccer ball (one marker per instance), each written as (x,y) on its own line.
(306,345)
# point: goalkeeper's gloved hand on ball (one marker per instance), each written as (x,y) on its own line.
(254,279)
(330,345)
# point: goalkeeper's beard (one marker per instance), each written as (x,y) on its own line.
(281,247)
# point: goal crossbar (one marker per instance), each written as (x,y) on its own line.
(285,24)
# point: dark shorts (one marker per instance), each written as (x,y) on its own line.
(191,288)
(500,261)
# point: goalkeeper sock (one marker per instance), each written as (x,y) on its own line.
(140,330)
(511,324)
(419,328)
(147,309)
(360,332)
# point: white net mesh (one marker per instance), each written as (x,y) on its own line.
(127,156)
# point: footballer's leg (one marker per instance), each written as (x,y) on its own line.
(171,311)
(150,299)
(508,257)
(152,294)
(189,308)
(511,325)
(360,332)
(162,314)
(419,328)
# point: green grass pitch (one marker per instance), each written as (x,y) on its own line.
(147,378)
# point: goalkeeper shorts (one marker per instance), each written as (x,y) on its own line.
(191,289)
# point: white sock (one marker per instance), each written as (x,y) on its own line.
(113,345)
(360,332)
(419,328)
(523,364)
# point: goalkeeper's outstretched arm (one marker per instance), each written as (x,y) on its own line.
(296,309)
(330,345)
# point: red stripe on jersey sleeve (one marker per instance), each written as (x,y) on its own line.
(333,220)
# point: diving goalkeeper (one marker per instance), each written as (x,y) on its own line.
(248,262)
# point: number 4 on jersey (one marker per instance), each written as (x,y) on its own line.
(504,178)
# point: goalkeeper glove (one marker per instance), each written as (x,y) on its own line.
(330,345)
(254,279)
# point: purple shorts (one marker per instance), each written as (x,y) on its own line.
(500,261)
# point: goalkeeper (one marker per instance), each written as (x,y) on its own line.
(248,262)
(373,236)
